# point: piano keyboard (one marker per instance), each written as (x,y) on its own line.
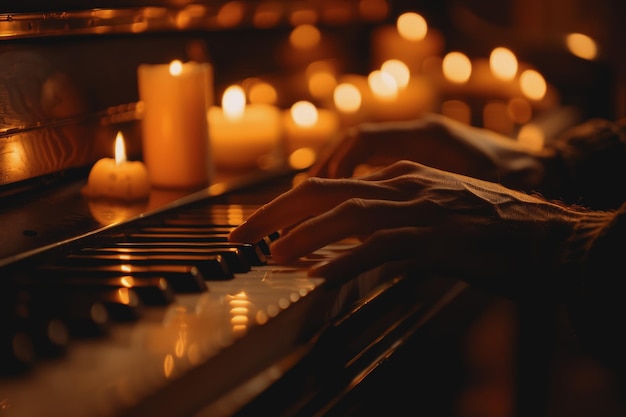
(165,317)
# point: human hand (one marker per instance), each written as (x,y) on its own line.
(427,219)
(436,141)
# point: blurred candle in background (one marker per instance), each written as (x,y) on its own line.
(308,127)
(410,40)
(175,98)
(244,136)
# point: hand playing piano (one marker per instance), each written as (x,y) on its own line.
(423,219)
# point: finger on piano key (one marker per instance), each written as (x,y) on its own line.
(182,278)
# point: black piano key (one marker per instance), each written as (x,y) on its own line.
(190,228)
(253,255)
(236,260)
(151,290)
(182,278)
(211,267)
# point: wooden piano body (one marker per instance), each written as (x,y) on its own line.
(268,341)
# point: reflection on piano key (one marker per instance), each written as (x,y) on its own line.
(182,278)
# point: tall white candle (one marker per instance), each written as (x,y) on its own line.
(175,99)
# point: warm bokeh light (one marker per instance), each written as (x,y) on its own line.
(520,110)
(347,98)
(233,102)
(305,36)
(304,113)
(398,70)
(230,14)
(503,63)
(412,26)
(302,158)
(267,15)
(383,85)
(321,79)
(176,68)
(303,16)
(261,92)
(531,136)
(120,149)
(456,67)
(533,85)
(581,45)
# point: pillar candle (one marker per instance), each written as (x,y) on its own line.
(175,100)
(244,136)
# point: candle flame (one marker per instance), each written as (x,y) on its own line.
(412,26)
(233,102)
(120,150)
(347,98)
(304,113)
(457,67)
(398,70)
(176,68)
(383,85)
(503,63)
(582,46)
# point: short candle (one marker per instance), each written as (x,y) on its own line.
(118,178)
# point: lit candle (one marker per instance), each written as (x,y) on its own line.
(308,127)
(175,100)
(118,178)
(398,96)
(244,136)
(410,40)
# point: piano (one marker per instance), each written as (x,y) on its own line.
(145,309)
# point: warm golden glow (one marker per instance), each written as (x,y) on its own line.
(412,26)
(520,110)
(168,365)
(261,92)
(496,117)
(230,14)
(383,85)
(347,98)
(533,84)
(235,214)
(398,70)
(176,68)
(125,296)
(456,67)
(304,113)
(127,281)
(305,36)
(503,63)
(581,45)
(303,16)
(321,79)
(302,158)
(120,149)
(531,136)
(233,102)
(267,15)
